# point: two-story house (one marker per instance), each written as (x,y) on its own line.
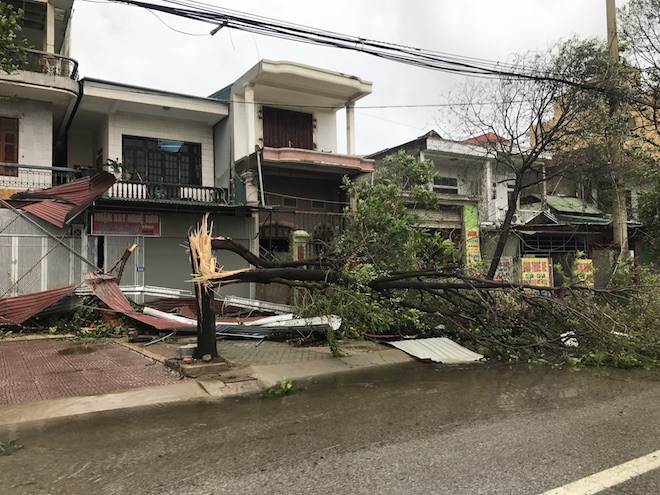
(548,221)
(472,188)
(282,132)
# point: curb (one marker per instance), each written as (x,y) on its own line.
(243,381)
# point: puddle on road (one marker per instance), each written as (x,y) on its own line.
(79,349)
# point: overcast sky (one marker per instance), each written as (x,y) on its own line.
(130,45)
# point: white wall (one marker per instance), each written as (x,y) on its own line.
(35,130)
(153,127)
(326,131)
(238,117)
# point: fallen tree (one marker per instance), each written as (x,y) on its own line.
(387,275)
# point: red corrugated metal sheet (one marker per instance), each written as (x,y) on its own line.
(106,289)
(15,310)
(59,205)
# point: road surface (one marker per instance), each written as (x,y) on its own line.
(417,429)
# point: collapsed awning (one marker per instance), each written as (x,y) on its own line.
(59,205)
(106,289)
(15,310)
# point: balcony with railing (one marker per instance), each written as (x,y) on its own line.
(50,63)
(128,190)
(22,177)
(43,76)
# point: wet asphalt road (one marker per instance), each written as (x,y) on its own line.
(408,430)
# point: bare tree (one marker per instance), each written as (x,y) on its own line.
(526,120)
(639,23)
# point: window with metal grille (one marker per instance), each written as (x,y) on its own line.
(555,243)
(163,160)
(9,145)
(445,185)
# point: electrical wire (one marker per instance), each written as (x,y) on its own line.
(422,58)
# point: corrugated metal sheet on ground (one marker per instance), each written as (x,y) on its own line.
(438,350)
(106,289)
(59,205)
(15,310)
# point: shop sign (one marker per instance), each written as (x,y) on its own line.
(504,271)
(536,271)
(584,272)
(126,223)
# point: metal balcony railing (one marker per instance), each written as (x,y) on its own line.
(13,176)
(132,190)
(50,63)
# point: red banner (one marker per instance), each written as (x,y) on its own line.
(126,223)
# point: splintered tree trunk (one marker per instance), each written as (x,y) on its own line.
(206,341)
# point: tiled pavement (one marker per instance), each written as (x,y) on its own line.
(34,370)
(251,352)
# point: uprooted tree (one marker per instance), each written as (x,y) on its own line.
(385,274)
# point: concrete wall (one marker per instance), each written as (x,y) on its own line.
(81,148)
(222,154)
(35,130)
(326,131)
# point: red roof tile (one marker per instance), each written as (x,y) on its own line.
(106,289)
(15,310)
(59,205)
(485,139)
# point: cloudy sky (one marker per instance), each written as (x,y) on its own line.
(131,45)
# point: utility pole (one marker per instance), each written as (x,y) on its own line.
(619,207)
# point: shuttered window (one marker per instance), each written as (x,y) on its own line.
(8,145)
(287,129)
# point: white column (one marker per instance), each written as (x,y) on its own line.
(350,128)
(491,206)
(49,40)
(250,119)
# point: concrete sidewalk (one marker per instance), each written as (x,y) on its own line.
(41,379)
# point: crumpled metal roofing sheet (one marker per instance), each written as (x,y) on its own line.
(15,310)
(437,349)
(106,289)
(59,205)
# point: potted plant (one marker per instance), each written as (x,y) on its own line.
(121,170)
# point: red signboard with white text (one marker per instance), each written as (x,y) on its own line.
(126,223)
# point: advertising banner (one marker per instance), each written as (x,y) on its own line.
(584,272)
(126,223)
(536,271)
(472,244)
(504,271)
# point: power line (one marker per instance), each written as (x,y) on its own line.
(394,52)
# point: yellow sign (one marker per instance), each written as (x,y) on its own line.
(584,272)
(537,271)
(472,247)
